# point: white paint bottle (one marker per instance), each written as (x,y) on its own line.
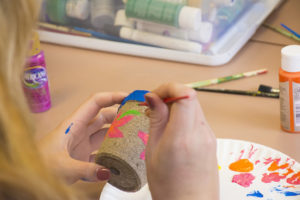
(102,12)
(172,14)
(79,9)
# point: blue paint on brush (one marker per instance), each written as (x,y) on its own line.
(255,194)
(69,128)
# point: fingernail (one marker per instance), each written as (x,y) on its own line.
(150,101)
(103,174)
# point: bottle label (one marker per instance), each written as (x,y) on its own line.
(155,11)
(284,105)
(296,100)
(35,77)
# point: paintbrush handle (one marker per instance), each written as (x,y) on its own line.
(240,92)
(226,78)
(167,100)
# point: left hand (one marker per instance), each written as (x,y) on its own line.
(67,150)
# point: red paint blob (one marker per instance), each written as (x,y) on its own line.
(243,165)
(295,179)
(244,179)
(272,177)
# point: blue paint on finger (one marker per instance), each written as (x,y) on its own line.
(69,128)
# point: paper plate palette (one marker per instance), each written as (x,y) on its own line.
(247,171)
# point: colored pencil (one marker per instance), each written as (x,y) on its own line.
(282,31)
(167,100)
(290,30)
(226,78)
(240,92)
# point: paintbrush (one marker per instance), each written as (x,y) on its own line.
(167,100)
(226,78)
(282,31)
(241,92)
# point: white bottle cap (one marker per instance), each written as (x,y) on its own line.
(204,34)
(122,20)
(126,33)
(290,58)
(102,12)
(189,18)
(226,2)
(79,9)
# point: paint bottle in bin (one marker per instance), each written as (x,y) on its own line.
(289,84)
(35,79)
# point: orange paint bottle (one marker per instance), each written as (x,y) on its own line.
(289,84)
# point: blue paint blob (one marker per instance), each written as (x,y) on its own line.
(285,192)
(255,194)
(68,129)
(137,95)
(289,194)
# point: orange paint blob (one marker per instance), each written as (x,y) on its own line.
(243,165)
(288,172)
(274,166)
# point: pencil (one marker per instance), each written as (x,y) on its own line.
(226,78)
(167,100)
(283,32)
(241,92)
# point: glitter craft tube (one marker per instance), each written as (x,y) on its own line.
(123,149)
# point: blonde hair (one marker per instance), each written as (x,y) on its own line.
(23,175)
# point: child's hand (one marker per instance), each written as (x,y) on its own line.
(68,148)
(181,152)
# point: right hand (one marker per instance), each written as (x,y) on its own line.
(181,152)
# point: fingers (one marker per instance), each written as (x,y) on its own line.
(87,171)
(88,110)
(158,117)
(174,90)
(97,138)
(106,116)
(183,112)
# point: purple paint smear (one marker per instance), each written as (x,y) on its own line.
(255,194)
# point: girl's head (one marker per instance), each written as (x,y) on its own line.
(23,174)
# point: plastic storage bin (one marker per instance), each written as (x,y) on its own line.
(208,32)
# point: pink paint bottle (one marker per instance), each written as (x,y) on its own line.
(35,80)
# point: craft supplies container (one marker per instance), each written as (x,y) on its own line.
(219,28)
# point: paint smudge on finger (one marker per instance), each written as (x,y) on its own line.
(255,193)
(244,179)
(69,128)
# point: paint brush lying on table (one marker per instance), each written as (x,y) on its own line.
(241,92)
(226,78)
